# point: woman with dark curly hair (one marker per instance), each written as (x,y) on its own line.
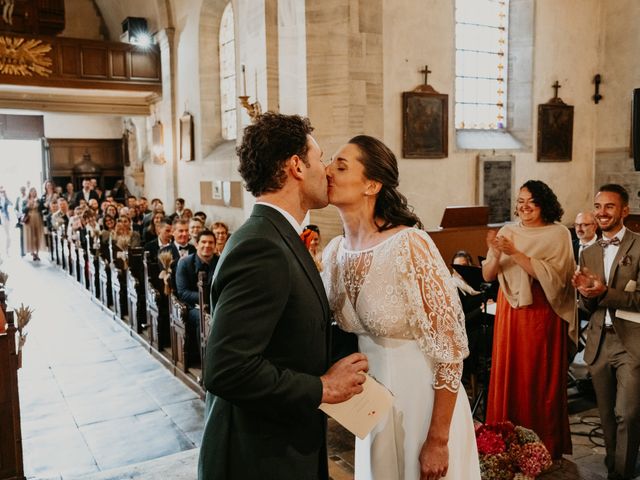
(535,318)
(387,283)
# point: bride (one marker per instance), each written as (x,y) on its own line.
(387,283)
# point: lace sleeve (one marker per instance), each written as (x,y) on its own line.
(436,315)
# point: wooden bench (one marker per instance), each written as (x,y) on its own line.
(157,306)
(205,319)
(93,279)
(11,464)
(178,312)
(136,293)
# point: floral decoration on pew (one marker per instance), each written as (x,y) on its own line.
(3,278)
(510,452)
(23,315)
(165,259)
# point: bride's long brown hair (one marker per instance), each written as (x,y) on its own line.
(380,165)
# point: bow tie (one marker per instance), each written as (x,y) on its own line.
(183,249)
(615,241)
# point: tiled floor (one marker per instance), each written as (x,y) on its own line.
(95,405)
(92,399)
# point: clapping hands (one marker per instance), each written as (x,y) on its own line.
(499,244)
(588,283)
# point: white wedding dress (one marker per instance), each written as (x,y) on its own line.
(398,298)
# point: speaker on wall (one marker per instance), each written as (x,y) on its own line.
(635,129)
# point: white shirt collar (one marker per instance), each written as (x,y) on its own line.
(290,218)
(619,235)
(593,240)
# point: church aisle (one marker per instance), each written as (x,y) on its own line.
(92,399)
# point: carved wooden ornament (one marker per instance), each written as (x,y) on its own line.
(19,56)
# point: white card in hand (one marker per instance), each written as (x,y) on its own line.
(364,411)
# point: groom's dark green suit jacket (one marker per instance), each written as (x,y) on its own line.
(269,344)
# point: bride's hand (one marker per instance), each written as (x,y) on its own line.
(434,459)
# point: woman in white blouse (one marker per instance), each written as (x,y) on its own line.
(387,283)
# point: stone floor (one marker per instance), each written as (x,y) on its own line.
(95,405)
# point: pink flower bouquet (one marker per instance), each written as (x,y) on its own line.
(508,452)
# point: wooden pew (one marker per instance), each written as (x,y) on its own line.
(54,246)
(205,319)
(93,272)
(104,275)
(179,347)
(64,250)
(48,235)
(136,293)
(11,464)
(157,305)
(73,258)
(118,268)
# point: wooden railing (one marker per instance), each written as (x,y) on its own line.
(79,63)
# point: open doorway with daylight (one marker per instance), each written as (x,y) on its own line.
(20,166)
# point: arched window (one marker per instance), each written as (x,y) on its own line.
(228,74)
(481,64)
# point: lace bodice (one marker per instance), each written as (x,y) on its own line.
(400,288)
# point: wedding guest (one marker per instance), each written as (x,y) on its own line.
(5,219)
(311,238)
(195,227)
(151,232)
(33,225)
(19,207)
(535,318)
(221,231)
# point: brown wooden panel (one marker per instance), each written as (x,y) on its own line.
(93,62)
(471,239)
(65,154)
(69,60)
(144,65)
(118,64)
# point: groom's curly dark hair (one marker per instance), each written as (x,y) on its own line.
(266,146)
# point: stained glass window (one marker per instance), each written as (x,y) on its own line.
(481,64)
(228,74)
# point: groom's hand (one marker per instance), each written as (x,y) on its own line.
(344,379)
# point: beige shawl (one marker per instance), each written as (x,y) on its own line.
(551,253)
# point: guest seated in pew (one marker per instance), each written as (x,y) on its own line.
(195,227)
(89,226)
(150,233)
(221,231)
(108,227)
(156,206)
(178,211)
(125,237)
(180,247)
(61,217)
(204,260)
(202,216)
(163,240)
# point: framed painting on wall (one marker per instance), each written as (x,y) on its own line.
(424,125)
(555,131)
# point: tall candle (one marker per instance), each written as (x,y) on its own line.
(244,82)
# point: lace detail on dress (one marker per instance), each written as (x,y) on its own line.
(447,375)
(401,288)
(355,270)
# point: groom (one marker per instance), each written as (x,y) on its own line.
(267,364)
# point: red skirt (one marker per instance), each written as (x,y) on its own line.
(529,367)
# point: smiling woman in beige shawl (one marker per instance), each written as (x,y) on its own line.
(535,318)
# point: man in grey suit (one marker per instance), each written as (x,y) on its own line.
(609,283)
(267,363)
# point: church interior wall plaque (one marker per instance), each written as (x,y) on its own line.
(186,137)
(555,130)
(425,121)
